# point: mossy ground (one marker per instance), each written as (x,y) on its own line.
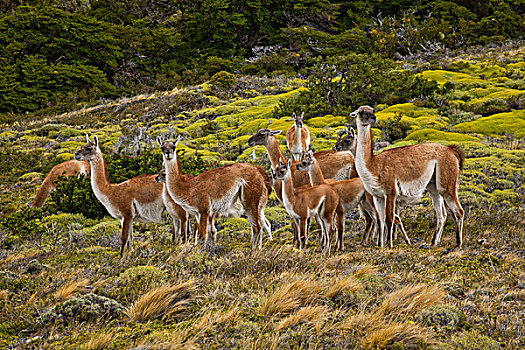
(67,257)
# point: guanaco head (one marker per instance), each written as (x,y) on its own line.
(282,171)
(169,149)
(89,150)
(347,140)
(298,120)
(306,161)
(262,137)
(365,115)
(161,177)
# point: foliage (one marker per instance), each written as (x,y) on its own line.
(394,128)
(74,195)
(339,85)
(20,226)
(89,307)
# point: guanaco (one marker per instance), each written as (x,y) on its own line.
(214,192)
(137,199)
(404,173)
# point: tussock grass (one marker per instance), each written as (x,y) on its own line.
(70,289)
(391,335)
(211,319)
(363,322)
(289,297)
(409,300)
(100,341)
(361,271)
(162,302)
(314,315)
(345,285)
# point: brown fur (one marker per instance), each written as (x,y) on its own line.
(296,146)
(122,199)
(383,174)
(68,168)
(301,202)
(198,193)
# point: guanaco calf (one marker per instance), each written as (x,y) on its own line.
(306,202)
(137,199)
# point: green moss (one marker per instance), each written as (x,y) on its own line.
(501,124)
(30,176)
(326,121)
(435,135)
(471,340)
(443,76)
(417,117)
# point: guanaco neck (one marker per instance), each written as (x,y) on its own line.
(364,155)
(298,141)
(315,173)
(274,152)
(99,178)
(288,190)
(175,181)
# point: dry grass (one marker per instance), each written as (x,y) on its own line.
(211,319)
(409,300)
(314,315)
(386,337)
(163,301)
(361,271)
(289,297)
(100,341)
(364,322)
(70,289)
(347,285)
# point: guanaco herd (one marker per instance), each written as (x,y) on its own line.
(325,185)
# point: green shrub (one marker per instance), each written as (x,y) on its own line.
(394,128)
(443,317)
(223,80)
(20,226)
(89,307)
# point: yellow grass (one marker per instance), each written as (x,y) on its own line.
(314,315)
(386,337)
(211,319)
(163,301)
(361,271)
(289,297)
(100,341)
(345,285)
(409,300)
(69,290)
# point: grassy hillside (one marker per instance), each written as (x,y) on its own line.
(62,285)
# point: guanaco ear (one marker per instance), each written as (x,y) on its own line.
(87,138)
(351,132)
(302,115)
(294,116)
(272,174)
(275,132)
(353,114)
(288,166)
(159,140)
(310,155)
(95,140)
(177,140)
